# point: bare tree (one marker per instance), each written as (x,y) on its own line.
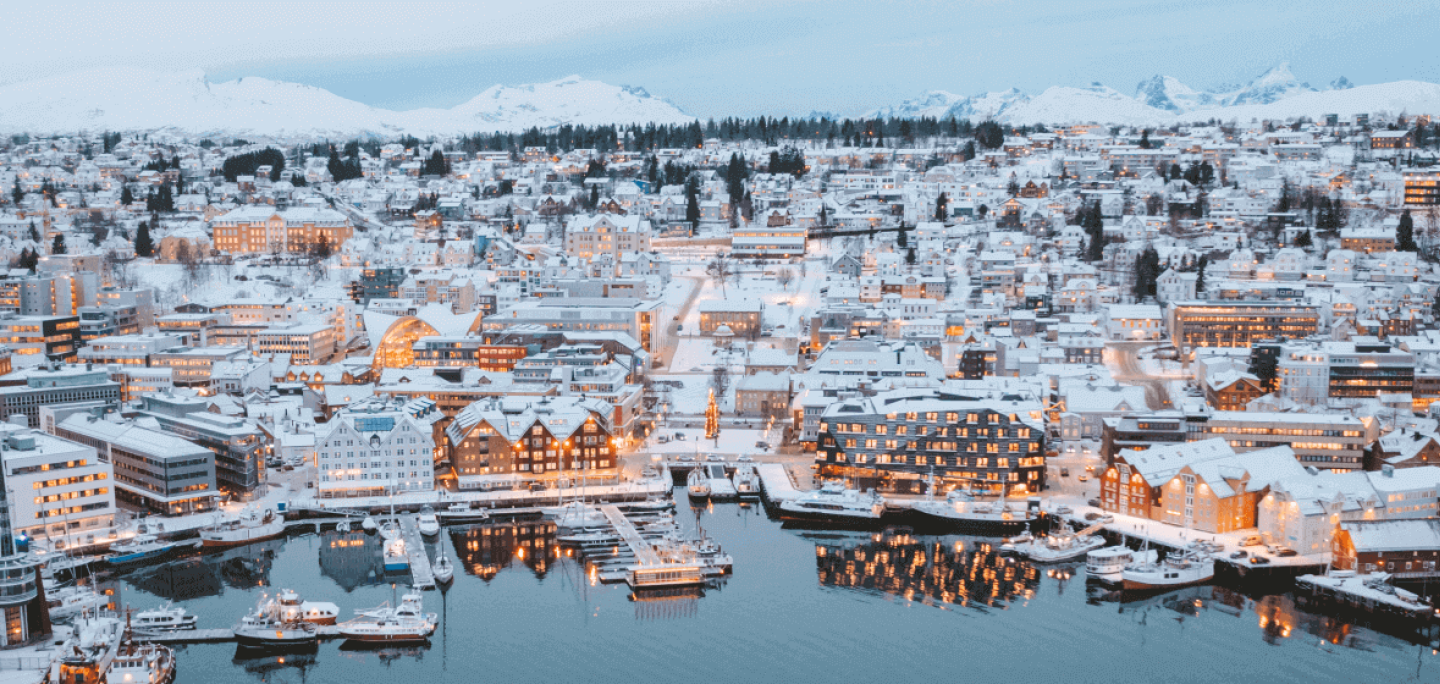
(721,268)
(720,379)
(189,258)
(785,276)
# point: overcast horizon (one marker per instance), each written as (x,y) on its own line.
(735,58)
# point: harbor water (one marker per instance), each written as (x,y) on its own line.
(802,606)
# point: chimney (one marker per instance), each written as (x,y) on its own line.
(1387,470)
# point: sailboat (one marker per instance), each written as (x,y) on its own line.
(443,569)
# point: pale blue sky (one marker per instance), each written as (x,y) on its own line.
(733,58)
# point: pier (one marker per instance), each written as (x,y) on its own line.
(421,574)
(215,636)
(644,554)
(775,482)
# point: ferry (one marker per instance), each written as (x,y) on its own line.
(1177,570)
(136,663)
(405,623)
(164,618)
(833,504)
(252,526)
(141,547)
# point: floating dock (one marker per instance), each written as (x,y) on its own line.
(422,576)
(214,636)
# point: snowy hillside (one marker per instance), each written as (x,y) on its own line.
(1275,94)
(139,99)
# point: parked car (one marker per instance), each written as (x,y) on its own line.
(1239,555)
(1093,502)
(1259,560)
(1084,478)
(1251,540)
(1287,552)
(1064,472)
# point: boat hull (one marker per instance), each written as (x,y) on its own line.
(982,527)
(373,638)
(227,541)
(139,556)
(269,640)
(829,519)
(1141,585)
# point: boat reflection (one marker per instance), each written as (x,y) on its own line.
(484,550)
(948,570)
(195,577)
(270,666)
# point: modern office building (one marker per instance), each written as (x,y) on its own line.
(64,493)
(38,387)
(637,318)
(155,471)
(22,600)
(239,445)
(1238,324)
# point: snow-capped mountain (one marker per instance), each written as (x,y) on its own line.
(138,99)
(1272,86)
(1162,100)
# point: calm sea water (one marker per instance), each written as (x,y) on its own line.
(801,607)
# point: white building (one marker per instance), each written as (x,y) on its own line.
(376,448)
(59,489)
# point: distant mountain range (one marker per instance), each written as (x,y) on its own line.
(126,99)
(1275,94)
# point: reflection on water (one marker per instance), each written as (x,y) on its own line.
(352,559)
(484,550)
(207,575)
(275,668)
(957,571)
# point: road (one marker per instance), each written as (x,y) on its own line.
(1126,368)
(672,337)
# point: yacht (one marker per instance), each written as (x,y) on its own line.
(166,617)
(1059,548)
(390,529)
(698,484)
(961,514)
(575,515)
(314,612)
(251,526)
(369,524)
(66,602)
(406,622)
(136,663)
(396,558)
(833,504)
(1177,570)
(443,569)
(266,627)
(651,504)
(141,547)
(429,524)
(747,481)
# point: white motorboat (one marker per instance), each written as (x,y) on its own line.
(1177,570)
(390,529)
(292,609)
(66,602)
(1059,548)
(428,523)
(137,663)
(698,484)
(369,524)
(576,515)
(959,512)
(833,504)
(407,622)
(165,618)
(461,514)
(1106,565)
(250,526)
(343,526)
(267,627)
(442,567)
(747,481)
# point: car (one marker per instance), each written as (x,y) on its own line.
(1064,510)
(1251,540)
(686,458)
(679,436)
(767,333)
(714,458)
(1287,552)
(1092,516)
(1090,468)
(1064,472)
(1240,555)
(1084,478)
(1093,502)
(762,445)
(1259,560)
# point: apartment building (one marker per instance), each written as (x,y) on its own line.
(64,493)
(376,448)
(306,343)
(1239,324)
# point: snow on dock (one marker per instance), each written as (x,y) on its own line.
(644,555)
(721,488)
(421,575)
(776,482)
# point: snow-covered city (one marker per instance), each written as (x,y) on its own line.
(584,368)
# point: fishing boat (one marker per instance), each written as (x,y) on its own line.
(443,569)
(747,481)
(266,627)
(250,526)
(141,547)
(406,622)
(137,663)
(429,524)
(1177,570)
(314,612)
(396,557)
(165,618)
(369,524)
(698,484)
(833,504)
(66,602)
(461,514)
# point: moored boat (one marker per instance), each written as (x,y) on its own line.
(1177,570)
(443,569)
(137,663)
(1105,565)
(406,622)
(428,523)
(164,618)
(141,547)
(959,513)
(396,557)
(67,602)
(1059,548)
(369,524)
(698,484)
(834,505)
(747,481)
(313,612)
(461,514)
(266,627)
(250,526)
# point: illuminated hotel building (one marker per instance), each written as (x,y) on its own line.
(635,317)
(1239,324)
(1422,188)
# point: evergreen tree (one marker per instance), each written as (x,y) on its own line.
(1200,276)
(29,259)
(126,197)
(143,246)
(942,207)
(58,246)
(594,197)
(1095,249)
(1147,270)
(1145,139)
(1304,240)
(16,194)
(692,203)
(910,256)
(989,135)
(34,233)
(969,151)
(1405,234)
